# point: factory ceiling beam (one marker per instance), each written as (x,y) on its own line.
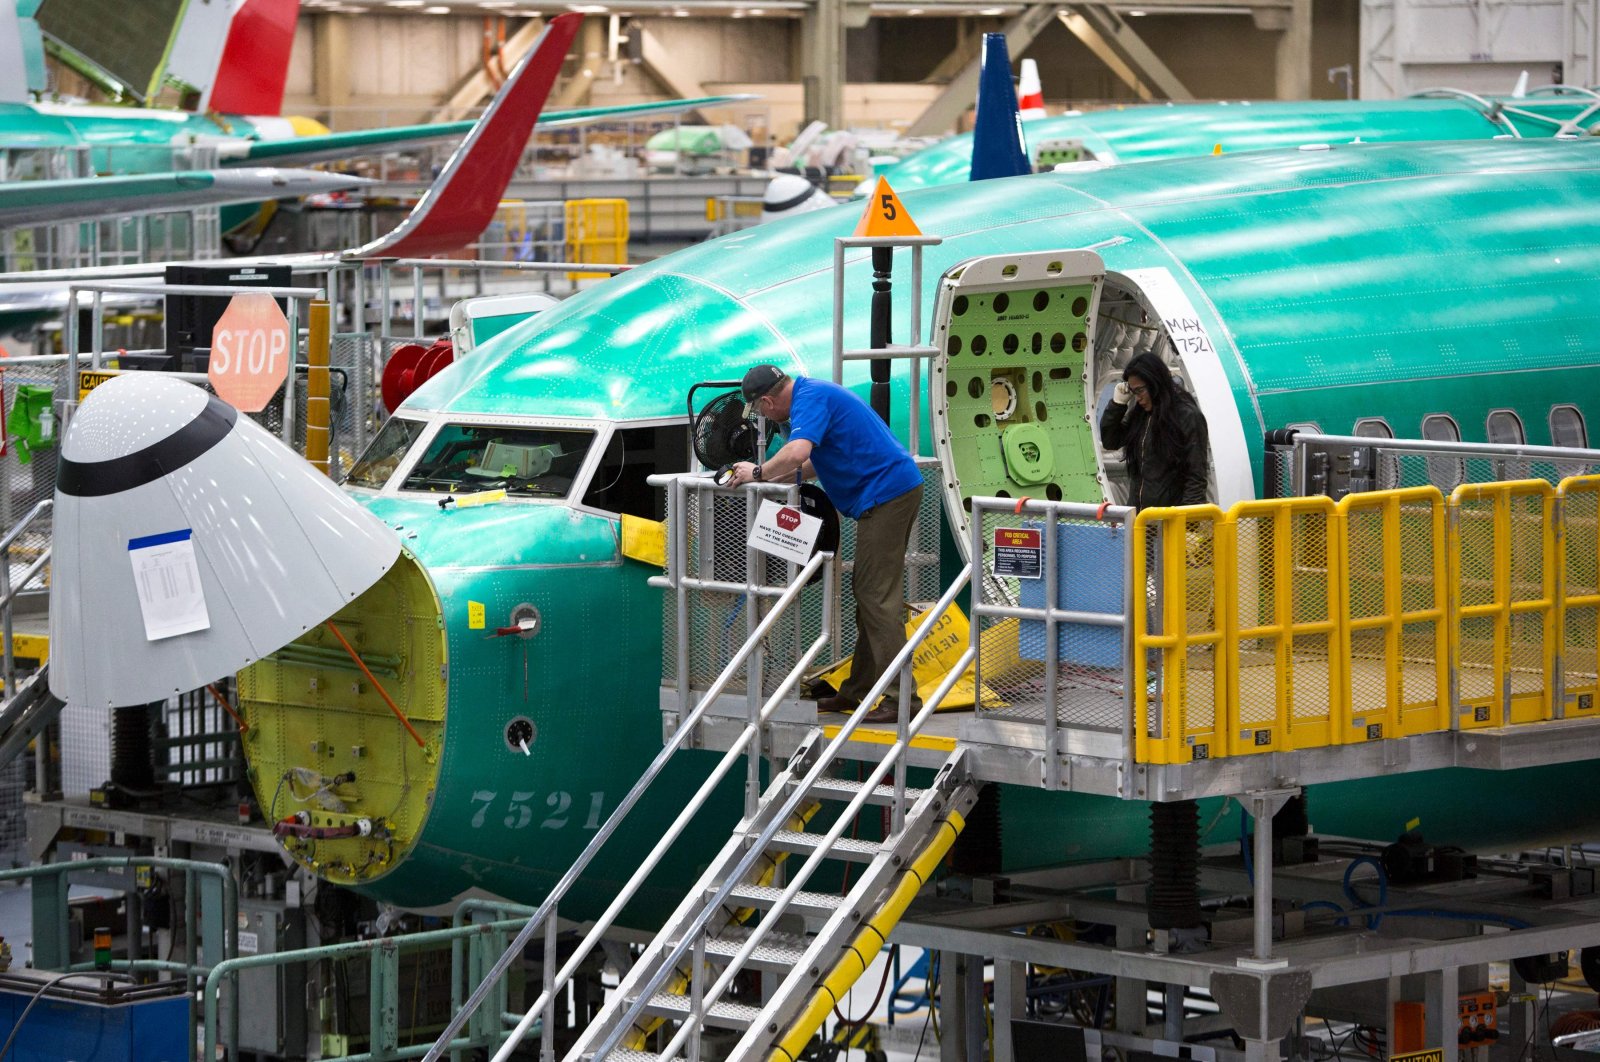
(957,96)
(674,72)
(1293,66)
(1113,41)
(478,86)
(822,62)
(969,44)
(591,53)
(331,62)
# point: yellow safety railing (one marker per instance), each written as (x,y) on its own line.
(1296,623)
(1503,568)
(1579,593)
(1282,624)
(1396,634)
(1181,628)
(597,231)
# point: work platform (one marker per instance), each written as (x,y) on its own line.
(1179,654)
(1286,642)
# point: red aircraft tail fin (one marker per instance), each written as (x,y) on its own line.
(255,58)
(464,197)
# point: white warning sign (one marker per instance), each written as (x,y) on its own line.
(785,532)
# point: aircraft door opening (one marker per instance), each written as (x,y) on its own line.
(1009,417)
(1131,322)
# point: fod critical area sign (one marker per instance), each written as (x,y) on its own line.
(785,532)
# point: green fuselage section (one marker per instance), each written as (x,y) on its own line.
(1184,130)
(1358,282)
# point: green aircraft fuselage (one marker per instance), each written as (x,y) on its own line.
(1153,131)
(1336,286)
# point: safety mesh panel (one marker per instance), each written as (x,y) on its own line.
(13,819)
(1183,682)
(1283,625)
(1527,588)
(1581,648)
(1409,468)
(354,407)
(716,526)
(1476,590)
(1091,659)
(28,466)
(1372,648)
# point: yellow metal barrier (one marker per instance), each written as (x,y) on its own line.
(1578,590)
(1503,566)
(1395,610)
(1295,623)
(1282,625)
(597,231)
(1180,628)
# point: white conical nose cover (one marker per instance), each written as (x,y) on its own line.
(189,543)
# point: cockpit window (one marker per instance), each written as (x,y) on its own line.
(527,462)
(385,453)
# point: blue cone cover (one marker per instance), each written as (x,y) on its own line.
(998,149)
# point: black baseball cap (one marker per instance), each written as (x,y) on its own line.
(757,382)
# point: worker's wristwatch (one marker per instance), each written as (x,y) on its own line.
(755,476)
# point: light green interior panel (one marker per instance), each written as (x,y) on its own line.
(322,740)
(1009,395)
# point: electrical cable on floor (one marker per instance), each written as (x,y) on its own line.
(925,1022)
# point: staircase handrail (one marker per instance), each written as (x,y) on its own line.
(780,821)
(820,562)
(8,593)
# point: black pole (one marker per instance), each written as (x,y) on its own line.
(882,266)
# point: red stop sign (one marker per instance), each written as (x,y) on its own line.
(250,350)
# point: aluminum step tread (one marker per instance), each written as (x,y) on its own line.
(846,848)
(777,951)
(847,788)
(721,1013)
(767,896)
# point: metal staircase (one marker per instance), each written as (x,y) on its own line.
(26,713)
(732,919)
(752,910)
(28,707)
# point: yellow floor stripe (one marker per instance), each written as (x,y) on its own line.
(875,736)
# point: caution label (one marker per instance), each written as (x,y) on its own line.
(1431,1054)
(89,379)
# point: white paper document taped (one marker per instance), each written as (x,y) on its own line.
(784,531)
(167,580)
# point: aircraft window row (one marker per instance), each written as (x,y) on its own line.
(524,462)
(1374,428)
(1567,428)
(1440,427)
(1505,427)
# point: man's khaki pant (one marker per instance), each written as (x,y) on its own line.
(883,534)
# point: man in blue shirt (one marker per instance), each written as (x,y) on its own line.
(835,437)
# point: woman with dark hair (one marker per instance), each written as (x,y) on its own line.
(1162,435)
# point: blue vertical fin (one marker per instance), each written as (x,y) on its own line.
(998,149)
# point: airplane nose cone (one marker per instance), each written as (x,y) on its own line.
(189,543)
